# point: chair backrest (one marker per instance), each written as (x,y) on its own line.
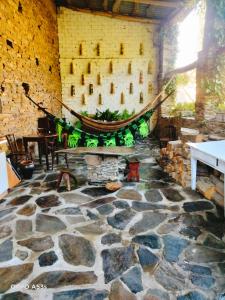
(12,143)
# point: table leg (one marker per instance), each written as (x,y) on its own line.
(39,153)
(193,173)
(25,144)
(46,153)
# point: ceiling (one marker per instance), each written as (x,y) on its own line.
(147,11)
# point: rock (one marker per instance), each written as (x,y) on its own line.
(122,219)
(105,209)
(37,244)
(7,211)
(75,198)
(155,294)
(150,240)
(92,216)
(47,259)
(191,220)
(77,250)
(169,277)
(149,221)
(173,195)
(142,206)
(99,202)
(173,246)
(147,259)
(56,279)
(20,200)
(68,211)
(16,296)
(116,261)
(96,191)
(196,269)
(147,173)
(191,232)
(121,204)
(7,219)
(22,255)
(23,229)
(49,224)
(197,206)
(133,280)
(192,296)
(222,268)
(27,210)
(202,254)
(119,292)
(5,231)
(129,194)
(13,275)
(213,242)
(111,238)
(84,294)
(51,177)
(75,219)
(48,201)
(153,196)
(166,228)
(96,227)
(6,249)
(205,282)
(153,184)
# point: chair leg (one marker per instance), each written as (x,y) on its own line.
(57,158)
(53,156)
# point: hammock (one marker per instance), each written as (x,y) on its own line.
(119,133)
(103,126)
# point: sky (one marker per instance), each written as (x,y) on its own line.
(189,39)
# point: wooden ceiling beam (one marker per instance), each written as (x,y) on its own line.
(156,3)
(116,16)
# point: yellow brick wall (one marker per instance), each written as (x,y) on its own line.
(75,29)
(32,32)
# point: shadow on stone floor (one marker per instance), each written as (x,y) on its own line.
(149,240)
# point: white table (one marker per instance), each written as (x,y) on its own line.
(211,154)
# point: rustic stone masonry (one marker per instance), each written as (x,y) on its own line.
(29,53)
(175,160)
(103,169)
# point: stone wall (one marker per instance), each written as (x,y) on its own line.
(88,45)
(29,53)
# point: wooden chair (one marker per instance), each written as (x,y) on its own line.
(168,133)
(52,145)
(15,153)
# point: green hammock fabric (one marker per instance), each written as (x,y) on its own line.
(73,139)
(59,129)
(123,137)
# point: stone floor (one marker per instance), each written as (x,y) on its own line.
(150,240)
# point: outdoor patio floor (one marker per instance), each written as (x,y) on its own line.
(149,240)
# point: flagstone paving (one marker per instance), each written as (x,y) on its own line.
(150,240)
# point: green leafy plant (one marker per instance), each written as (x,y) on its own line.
(178,108)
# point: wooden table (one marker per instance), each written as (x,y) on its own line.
(211,154)
(114,151)
(42,141)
